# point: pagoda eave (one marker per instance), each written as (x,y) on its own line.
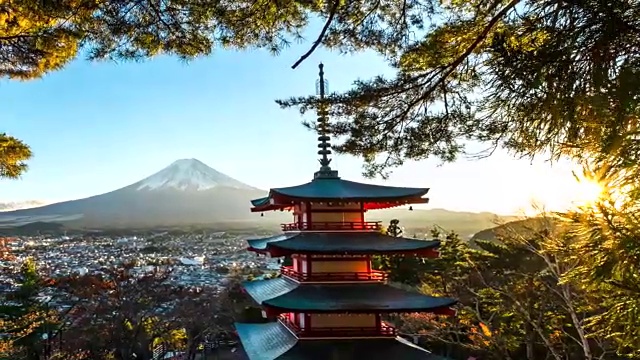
(327,189)
(376,205)
(286,200)
(273,341)
(271,207)
(275,251)
(273,311)
(286,295)
(379,205)
(343,243)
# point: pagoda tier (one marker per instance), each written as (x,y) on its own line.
(335,190)
(333,243)
(285,295)
(274,341)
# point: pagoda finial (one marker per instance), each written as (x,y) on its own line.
(322,125)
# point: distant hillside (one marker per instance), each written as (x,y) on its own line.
(522,227)
(466,224)
(33,229)
(417,221)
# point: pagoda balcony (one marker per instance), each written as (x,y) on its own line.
(373,275)
(385,330)
(333,226)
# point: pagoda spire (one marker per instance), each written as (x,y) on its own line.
(322,124)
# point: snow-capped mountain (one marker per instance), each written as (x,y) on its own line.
(189,174)
(185,192)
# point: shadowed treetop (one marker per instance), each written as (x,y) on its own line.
(39,36)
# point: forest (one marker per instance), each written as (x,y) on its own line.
(118,315)
(522,296)
(547,79)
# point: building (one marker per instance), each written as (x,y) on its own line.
(328,304)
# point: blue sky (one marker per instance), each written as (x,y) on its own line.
(96,127)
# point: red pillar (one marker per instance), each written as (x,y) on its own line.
(309,217)
(307,323)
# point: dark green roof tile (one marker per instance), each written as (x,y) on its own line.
(347,242)
(260,201)
(265,341)
(261,290)
(339,189)
(261,243)
(272,341)
(285,294)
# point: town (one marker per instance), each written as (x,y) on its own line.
(193,260)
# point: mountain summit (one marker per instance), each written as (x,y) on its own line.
(189,174)
(187,192)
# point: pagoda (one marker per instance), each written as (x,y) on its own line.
(329,303)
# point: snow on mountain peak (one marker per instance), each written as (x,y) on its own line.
(189,174)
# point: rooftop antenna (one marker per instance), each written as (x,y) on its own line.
(322,125)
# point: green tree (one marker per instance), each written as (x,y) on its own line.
(606,252)
(514,302)
(13,154)
(25,318)
(121,315)
(535,77)
(405,268)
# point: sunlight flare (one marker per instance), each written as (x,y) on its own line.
(587,192)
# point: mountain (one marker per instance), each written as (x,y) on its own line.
(522,227)
(420,221)
(8,206)
(185,192)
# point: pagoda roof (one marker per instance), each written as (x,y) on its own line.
(335,188)
(287,295)
(340,243)
(272,341)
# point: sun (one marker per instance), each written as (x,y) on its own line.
(587,192)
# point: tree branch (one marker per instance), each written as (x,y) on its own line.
(483,35)
(323,32)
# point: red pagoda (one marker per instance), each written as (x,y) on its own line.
(329,304)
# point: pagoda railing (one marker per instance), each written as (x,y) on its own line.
(333,226)
(323,332)
(373,275)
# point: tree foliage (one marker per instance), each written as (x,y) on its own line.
(534,77)
(514,300)
(607,252)
(25,318)
(13,154)
(121,315)
(403,269)
(40,36)
(126,315)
